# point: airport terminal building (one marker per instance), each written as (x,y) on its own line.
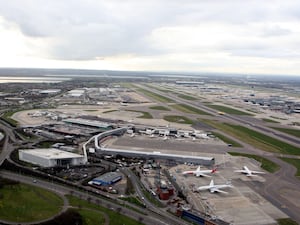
(50,157)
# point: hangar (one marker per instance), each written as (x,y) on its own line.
(50,157)
(107,179)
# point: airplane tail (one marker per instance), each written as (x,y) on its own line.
(214,170)
(198,169)
(211,183)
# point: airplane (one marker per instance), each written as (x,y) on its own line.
(249,173)
(132,135)
(215,187)
(199,173)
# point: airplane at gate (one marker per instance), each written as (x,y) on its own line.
(200,173)
(248,172)
(215,187)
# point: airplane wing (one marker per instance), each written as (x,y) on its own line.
(212,190)
(258,172)
(251,175)
(240,171)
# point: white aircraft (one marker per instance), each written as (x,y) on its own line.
(132,135)
(249,173)
(199,173)
(215,187)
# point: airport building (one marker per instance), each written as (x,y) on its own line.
(107,179)
(50,157)
(90,123)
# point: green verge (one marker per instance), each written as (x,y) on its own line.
(227,140)
(109,111)
(25,203)
(133,200)
(266,164)
(114,217)
(159,107)
(7,118)
(269,120)
(187,97)
(254,138)
(91,217)
(178,119)
(293,132)
(146,115)
(286,221)
(189,109)
(229,110)
(155,96)
(294,162)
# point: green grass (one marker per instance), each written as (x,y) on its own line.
(227,140)
(294,162)
(109,111)
(269,120)
(146,115)
(114,217)
(254,138)
(293,132)
(187,97)
(152,199)
(266,164)
(133,200)
(178,119)
(286,221)
(229,110)
(188,109)
(7,118)
(159,107)
(155,96)
(91,217)
(26,203)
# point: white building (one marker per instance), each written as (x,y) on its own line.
(50,157)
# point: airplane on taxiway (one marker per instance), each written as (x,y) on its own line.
(215,187)
(248,172)
(200,173)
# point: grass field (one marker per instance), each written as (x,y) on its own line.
(178,119)
(188,109)
(133,200)
(26,203)
(265,163)
(187,97)
(229,110)
(7,117)
(160,107)
(294,162)
(145,115)
(287,221)
(254,138)
(155,96)
(227,140)
(114,217)
(269,120)
(91,217)
(293,132)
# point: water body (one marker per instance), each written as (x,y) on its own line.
(41,79)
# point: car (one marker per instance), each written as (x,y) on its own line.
(34,181)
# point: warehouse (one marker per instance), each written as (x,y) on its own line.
(107,179)
(50,157)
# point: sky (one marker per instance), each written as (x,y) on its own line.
(224,36)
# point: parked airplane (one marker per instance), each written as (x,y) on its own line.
(215,187)
(249,173)
(199,173)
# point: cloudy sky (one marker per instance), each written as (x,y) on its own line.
(231,36)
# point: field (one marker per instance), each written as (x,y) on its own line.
(7,117)
(188,109)
(286,221)
(159,107)
(187,97)
(145,115)
(229,110)
(269,120)
(92,210)
(265,163)
(26,203)
(227,140)
(254,138)
(294,162)
(155,96)
(178,119)
(293,132)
